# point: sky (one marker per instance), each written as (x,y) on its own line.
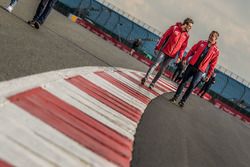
(229,17)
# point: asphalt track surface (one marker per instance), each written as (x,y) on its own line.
(198,135)
(58,44)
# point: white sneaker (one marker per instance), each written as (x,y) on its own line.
(9,8)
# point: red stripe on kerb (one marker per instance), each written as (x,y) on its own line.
(137,82)
(165,85)
(156,86)
(75,124)
(4,164)
(106,98)
(168,84)
(144,99)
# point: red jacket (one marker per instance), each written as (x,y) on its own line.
(177,41)
(210,59)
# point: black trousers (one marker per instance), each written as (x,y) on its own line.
(190,72)
(43,10)
(204,89)
(176,74)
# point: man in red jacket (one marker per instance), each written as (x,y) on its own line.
(202,54)
(174,40)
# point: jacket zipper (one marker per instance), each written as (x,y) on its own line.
(176,43)
(203,61)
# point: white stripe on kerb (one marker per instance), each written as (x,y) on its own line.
(146,83)
(77,98)
(115,91)
(33,143)
(132,85)
(137,78)
(19,156)
(166,83)
(23,137)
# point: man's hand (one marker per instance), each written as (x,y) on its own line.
(206,79)
(184,62)
(156,52)
(178,60)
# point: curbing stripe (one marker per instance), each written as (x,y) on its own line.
(19,155)
(144,99)
(4,164)
(75,124)
(157,85)
(107,98)
(137,77)
(73,117)
(91,106)
(135,84)
(29,140)
(116,91)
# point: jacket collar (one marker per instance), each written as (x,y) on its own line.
(213,45)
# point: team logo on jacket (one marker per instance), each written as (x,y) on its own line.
(202,45)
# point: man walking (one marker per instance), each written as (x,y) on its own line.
(203,53)
(202,80)
(207,85)
(11,6)
(179,69)
(174,40)
(42,12)
(135,45)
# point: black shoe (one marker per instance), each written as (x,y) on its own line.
(173,99)
(151,85)
(181,103)
(143,80)
(31,23)
(37,25)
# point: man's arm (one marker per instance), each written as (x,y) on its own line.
(164,37)
(213,63)
(213,81)
(191,52)
(183,47)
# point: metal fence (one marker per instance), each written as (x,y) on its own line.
(127,28)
